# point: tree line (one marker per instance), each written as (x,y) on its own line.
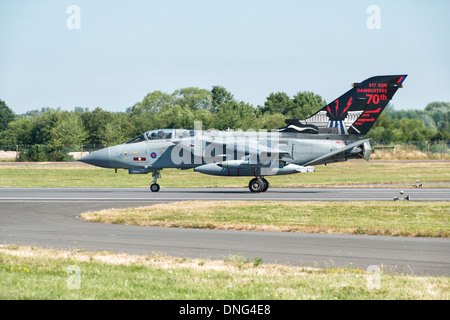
(216,108)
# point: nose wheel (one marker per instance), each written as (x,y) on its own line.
(154,187)
(258,185)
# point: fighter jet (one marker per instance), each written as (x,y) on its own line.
(335,133)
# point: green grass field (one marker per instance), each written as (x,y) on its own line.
(33,273)
(346,174)
(421,219)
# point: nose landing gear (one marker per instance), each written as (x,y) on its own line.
(154,187)
(259,184)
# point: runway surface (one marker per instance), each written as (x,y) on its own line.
(180,194)
(48,217)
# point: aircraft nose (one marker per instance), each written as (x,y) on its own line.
(98,158)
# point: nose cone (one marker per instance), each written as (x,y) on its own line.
(98,158)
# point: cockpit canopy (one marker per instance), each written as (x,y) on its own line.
(162,134)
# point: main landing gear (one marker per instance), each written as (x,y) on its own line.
(258,185)
(154,187)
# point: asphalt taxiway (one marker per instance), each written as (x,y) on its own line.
(181,194)
(47,217)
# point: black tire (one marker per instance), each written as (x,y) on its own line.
(256,185)
(154,187)
(266,185)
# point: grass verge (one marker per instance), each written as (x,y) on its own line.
(348,173)
(33,273)
(427,219)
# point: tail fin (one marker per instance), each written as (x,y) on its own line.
(378,91)
(354,112)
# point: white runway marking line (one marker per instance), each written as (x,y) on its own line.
(206,199)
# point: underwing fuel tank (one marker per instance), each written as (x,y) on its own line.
(234,164)
(217,169)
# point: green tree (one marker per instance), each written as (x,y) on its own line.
(271,121)
(383,130)
(306,104)
(68,130)
(118,130)
(278,102)
(440,112)
(6,115)
(235,115)
(94,123)
(44,153)
(193,98)
(220,96)
(42,125)
(206,117)
(153,103)
(146,115)
(17,132)
(175,117)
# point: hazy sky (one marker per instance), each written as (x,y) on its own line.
(125,49)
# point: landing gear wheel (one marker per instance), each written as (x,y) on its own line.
(154,187)
(266,185)
(256,185)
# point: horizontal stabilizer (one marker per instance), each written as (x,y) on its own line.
(336,152)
